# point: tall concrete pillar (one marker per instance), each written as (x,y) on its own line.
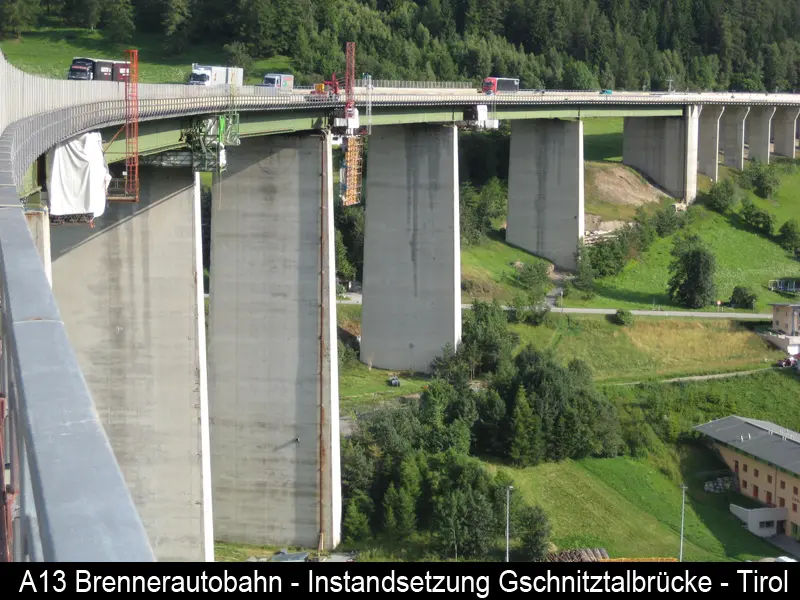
(733,124)
(665,150)
(708,141)
(545,189)
(412,259)
(273,378)
(39,225)
(784,125)
(759,123)
(130,293)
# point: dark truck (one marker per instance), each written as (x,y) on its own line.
(94,69)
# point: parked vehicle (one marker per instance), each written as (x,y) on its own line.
(97,69)
(789,361)
(496,85)
(210,75)
(279,81)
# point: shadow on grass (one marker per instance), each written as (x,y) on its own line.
(698,464)
(602,147)
(634,297)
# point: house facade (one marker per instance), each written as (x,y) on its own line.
(785,332)
(766,461)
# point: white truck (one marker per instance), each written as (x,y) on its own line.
(209,75)
(279,81)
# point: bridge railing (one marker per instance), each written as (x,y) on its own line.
(64,496)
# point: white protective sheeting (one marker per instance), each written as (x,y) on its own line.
(78,176)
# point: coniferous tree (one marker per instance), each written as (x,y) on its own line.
(17,15)
(118,22)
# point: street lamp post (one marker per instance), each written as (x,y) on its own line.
(683,512)
(508,513)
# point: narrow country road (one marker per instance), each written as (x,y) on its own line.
(356,299)
(701,377)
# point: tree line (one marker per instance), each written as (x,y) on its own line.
(413,472)
(555,44)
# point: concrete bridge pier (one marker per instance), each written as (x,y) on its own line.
(273,378)
(758,127)
(130,293)
(546,189)
(733,125)
(784,125)
(412,260)
(39,225)
(665,150)
(708,141)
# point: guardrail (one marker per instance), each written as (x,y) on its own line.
(67,498)
(423,85)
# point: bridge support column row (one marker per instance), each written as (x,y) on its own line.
(273,378)
(546,189)
(665,149)
(412,257)
(130,293)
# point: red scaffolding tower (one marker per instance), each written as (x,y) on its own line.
(132,126)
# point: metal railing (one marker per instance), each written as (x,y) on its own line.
(69,497)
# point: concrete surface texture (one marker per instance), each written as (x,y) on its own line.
(733,125)
(546,189)
(127,291)
(665,150)
(784,125)
(412,268)
(39,225)
(708,141)
(273,379)
(759,128)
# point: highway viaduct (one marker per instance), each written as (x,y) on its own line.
(125,441)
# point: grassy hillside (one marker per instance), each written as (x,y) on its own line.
(633,511)
(654,347)
(49,51)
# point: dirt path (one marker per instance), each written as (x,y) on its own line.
(702,377)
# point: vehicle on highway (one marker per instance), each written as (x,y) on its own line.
(98,69)
(210,75)
(498,85)
(605,92)
(279,81)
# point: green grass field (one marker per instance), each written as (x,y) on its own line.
(49,51)
(654,347)
(487,270)
(633,511)
(743,258)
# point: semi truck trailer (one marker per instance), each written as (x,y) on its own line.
(98,69)
(210,75)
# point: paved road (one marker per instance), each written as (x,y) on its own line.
(356,299)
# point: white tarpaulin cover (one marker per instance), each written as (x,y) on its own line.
(78,177)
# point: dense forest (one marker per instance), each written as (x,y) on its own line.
(553,44)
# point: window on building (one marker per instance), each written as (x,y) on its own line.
(744,468)
(783,485)
(769,478)
(794,506)
(781,502)
(755,473)
(769,498)
(766,524)
(744,484)
(755,491)
(795,490)
(736,466)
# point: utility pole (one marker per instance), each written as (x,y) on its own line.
(683,512)
(508,513)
